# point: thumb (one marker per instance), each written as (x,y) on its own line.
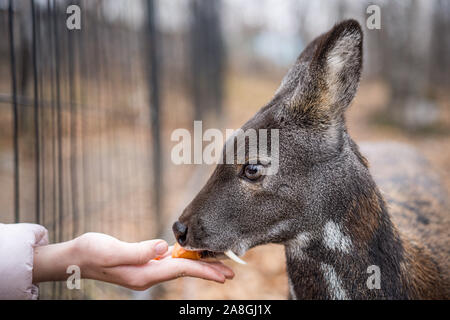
(139,252)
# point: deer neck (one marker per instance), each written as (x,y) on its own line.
(360,257)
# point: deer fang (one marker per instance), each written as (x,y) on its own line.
(230,254)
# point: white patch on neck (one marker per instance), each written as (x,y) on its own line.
(334,283)
(294,249)
(334,239)
(296,245)
(292,289)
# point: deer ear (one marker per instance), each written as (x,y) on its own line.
(325,77)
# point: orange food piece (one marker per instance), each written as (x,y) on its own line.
(179,252)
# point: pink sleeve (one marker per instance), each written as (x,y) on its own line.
(17,242)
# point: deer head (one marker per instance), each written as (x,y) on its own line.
(241,207)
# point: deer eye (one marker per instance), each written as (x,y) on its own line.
(253,171)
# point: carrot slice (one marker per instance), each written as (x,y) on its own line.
(179,252)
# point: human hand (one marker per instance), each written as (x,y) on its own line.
(105,258)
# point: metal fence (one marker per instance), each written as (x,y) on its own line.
(80,144)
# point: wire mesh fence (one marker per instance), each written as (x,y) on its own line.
(86,116)
(79,127)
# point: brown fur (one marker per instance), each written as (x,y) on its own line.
(418,207)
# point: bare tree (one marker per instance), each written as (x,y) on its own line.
(206,57)
(406,48)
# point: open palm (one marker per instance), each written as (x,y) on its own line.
(133,265)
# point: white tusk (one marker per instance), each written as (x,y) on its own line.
(230,254)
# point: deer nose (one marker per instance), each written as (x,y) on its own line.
(180,231)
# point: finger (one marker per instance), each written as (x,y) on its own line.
(140,277)
(167,254)
(137,253)
(176,268)
(219,266)
(222,268)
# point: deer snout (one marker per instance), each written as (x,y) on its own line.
(180,232)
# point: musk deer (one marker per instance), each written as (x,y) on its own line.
(323,204)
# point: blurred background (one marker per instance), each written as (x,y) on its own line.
(86,115)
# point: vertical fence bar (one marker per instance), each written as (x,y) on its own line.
(85,125)
(52,116)
(40,16)
(98,65)
(15,112)
(36,115)
(153,83)
(59,132)
(73,134)
(53,131)
(83,92)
